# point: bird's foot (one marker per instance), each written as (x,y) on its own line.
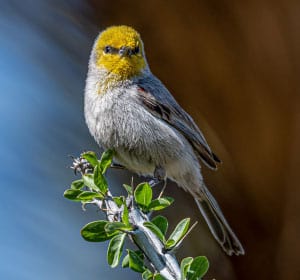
(159,176)
(154,182)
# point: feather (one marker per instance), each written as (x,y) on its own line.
(169,111)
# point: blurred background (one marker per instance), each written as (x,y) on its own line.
(233,65)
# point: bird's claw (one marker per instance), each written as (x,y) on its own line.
(158,176)
(154,182)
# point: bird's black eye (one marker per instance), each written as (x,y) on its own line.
(107,49)
(136,50)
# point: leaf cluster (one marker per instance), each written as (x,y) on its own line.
(93,187)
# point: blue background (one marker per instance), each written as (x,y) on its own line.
(41,122)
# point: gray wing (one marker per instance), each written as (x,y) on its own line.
(158,100)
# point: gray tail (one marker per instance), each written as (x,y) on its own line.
(217,223)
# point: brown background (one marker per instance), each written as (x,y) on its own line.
(234,66)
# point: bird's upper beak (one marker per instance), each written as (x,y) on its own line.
(125,51)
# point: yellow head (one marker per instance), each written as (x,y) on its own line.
(119,50)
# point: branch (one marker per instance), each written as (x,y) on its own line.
(130,217)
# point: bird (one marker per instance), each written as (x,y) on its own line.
(130,111)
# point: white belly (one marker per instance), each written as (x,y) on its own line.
(141,141)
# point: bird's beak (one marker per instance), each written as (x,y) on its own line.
(125,51)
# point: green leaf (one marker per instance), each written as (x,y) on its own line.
(136,263)
(155,230)
(88,180)
(140,254)
(114,250)
(91,158)
(106,160)
(99,180)
(128,188)
(184,266)
(178,233)
(95,232)
(158,277)
(198,268)
(87,196)
(119,200)
(160,203)
(125,262)
(125,215)
(143,195)
(72,194)
(161,222)
(147,275)
(112,227)
(77,185)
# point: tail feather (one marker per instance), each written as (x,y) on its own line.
(217,223)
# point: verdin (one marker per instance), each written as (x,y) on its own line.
(130,111)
